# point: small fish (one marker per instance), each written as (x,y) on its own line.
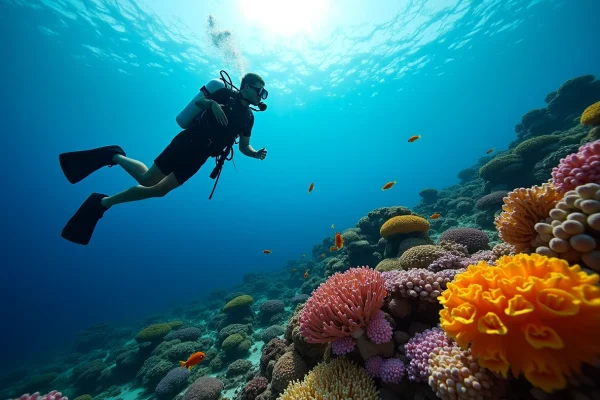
(332,248)
(306,274)
(192,360)
(388,185)
(435,216)
(489,151)
(413,138)
(293,270)
(267,251)
(322,255)
(303,255)
(332,226)
(311,187)
(339,240)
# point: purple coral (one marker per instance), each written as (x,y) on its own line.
(204,388)
(256,386)
(474,239)
(491,201)
(190,334)
(482,255)
(373,366)
(418,283)
(447,261)
(578,168)
(343,345)
(417,350)
(379,329)
(173,382)
(390,370)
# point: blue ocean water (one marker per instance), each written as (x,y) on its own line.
(345,95)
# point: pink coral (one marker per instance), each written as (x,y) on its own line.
(379,329)
(342,305)
(53,395)
(417,350)
(343,345)
(578,168)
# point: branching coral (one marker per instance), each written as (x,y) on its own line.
(522,209)
(573,229)
(531,314)
(337,379)
(418,349)
(342,305)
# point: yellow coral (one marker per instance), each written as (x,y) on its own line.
(530,313)
(338,379)
(591,115)
(522,209)
(404,224)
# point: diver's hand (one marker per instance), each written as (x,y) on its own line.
(261,154)
(218,112)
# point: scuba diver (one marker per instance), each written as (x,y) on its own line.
(211,122)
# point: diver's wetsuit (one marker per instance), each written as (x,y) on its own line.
(205,138)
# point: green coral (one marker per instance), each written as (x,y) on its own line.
(236,343)
(533,147)
(494,167)
(175,324)
(153,333)
(240,301)
(84,397)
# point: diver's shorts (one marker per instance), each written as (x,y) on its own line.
(187,152)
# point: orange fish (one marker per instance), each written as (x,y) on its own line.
(311,187)
(194,359)
(322,255)
(267,251)
(413,138)
(388,185)
(489,151)
(339,240)
(435,216)
(306,274)
(332,248)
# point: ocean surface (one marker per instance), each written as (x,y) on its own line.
(349,82)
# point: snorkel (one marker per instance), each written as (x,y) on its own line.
(227,81)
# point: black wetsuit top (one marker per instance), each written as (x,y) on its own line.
(205,138)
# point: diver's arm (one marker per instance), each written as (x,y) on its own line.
(204,103)
(245,147)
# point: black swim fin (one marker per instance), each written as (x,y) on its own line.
(77,165)
(80,227)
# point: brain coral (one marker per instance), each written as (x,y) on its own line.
(240,301)
(152,333)
(388,264)
(288,368)
(342,305)
(578,168)
(522,209)
(420,256)
(573,233)
(474,239)
(591,115)
(335,380)
(500,166)
(531,314)
(491,201)
(404,224)
(533,147)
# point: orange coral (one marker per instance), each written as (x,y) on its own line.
(404,224)
(530,313)
(522,209)
(591,115)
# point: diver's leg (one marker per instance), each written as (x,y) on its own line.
(136,193)
(139,171)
